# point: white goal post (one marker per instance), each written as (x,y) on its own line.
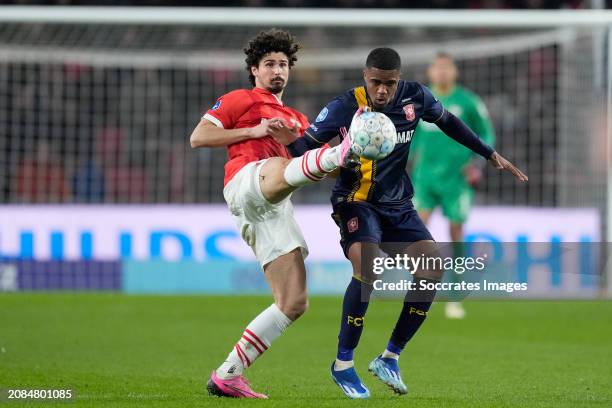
(244,16)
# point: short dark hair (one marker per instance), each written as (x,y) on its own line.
(272,40)
(384,58)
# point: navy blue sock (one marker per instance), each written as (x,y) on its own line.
(414,312)
(354,307)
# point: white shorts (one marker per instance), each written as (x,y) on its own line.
(269,229)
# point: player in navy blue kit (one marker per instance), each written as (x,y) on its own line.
(372,206)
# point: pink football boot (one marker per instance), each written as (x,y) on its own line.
(346,156)
(237,387)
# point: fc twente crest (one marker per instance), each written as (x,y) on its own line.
(409,111)
(353,225)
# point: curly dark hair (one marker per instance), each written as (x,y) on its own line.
(272,40)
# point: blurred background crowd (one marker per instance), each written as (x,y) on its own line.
(102,113)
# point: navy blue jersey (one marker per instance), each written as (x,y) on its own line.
(381,182)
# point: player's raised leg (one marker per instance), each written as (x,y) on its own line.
(279,177)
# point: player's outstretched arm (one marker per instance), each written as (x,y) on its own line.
(454,127)
(207,134)
(499,162)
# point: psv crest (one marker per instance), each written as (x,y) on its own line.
(409,111)
(352,225)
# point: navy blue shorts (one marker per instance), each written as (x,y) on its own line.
(364,222)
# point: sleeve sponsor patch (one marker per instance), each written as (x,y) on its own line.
(322,115)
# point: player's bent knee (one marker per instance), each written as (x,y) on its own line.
(274,168)
(272,181)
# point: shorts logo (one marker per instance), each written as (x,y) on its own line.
(216,105)
(322,115)
(409,111)
(352,225)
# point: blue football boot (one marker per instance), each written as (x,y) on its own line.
(349,383)
(387,370)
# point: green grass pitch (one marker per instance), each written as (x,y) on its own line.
(157,351)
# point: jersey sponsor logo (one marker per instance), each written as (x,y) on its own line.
(216,105)
(322,115)
(352,225)
(409,111)
(404,137)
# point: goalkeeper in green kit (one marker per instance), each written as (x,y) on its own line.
(445,172)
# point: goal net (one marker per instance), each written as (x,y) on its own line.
(100,110)
(97,104)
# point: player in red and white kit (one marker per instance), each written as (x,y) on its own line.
(260,176)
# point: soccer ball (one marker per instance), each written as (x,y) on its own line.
(372,135)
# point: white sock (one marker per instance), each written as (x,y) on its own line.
(340,365)
(389,354)
(313,166)
(256,339)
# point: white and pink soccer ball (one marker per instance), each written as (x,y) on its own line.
(372,135)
